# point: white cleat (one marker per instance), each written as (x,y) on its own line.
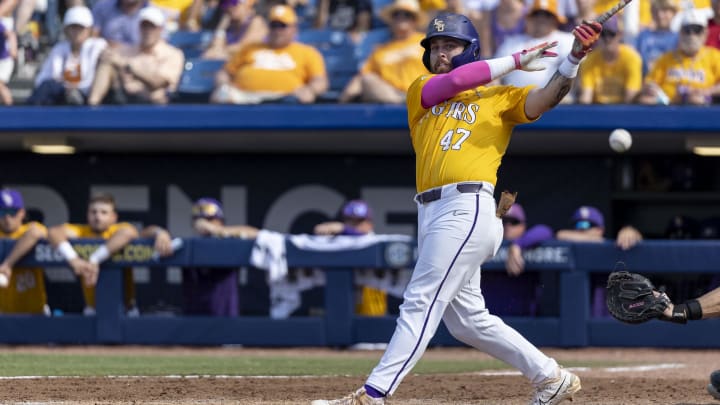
(552,391)
(358,397)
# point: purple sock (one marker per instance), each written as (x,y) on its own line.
(372,392)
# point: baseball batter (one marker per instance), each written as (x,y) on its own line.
(460,130)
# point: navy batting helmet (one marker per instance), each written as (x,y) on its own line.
(454,26)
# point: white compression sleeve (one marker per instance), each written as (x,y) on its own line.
(67,251)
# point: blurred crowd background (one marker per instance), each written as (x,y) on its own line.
(93,52)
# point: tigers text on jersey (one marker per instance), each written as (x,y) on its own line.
(465,137)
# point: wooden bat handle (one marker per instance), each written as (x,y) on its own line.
(606,15)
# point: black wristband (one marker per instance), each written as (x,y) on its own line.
(694,310)
(679,314)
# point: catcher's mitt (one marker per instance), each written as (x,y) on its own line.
(632,298)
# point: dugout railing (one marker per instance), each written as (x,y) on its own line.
(572,327)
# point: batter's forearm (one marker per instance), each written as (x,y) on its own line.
(541,100)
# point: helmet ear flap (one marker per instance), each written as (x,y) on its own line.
(469,55)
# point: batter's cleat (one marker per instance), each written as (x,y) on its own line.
(714,387)
(555,390)
(358,397)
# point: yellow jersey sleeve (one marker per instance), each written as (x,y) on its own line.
(22,229)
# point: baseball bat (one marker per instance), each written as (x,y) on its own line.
(606,15)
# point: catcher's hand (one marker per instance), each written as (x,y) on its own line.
(632,298)
(586,35)
(529,59)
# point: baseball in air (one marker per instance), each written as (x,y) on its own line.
(620,140)
(4,281)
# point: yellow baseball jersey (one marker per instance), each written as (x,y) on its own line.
(84,231)
(465,137)
(398,62)
(610,80)
(672,71)
(25,294)
(259,68)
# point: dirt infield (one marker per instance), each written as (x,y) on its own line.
(674,377)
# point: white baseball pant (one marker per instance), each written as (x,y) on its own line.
(456,233)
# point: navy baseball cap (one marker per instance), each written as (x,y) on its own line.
(11,199)
(207,207)
(587,217)
(356,209)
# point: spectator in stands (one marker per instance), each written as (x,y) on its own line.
(143,73)
(542,24)
(118,21)
(280,70)
(207,291)
(585,11)
(177,14)
(352,16)
(356,219)
(653,42)
(505,20)
(393,66)
(238,27)
(102,223)
(713,38)
(688,75)
(69,69)
(613,73)
(25,293)
(8,53)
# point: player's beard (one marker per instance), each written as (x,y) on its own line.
(442,67)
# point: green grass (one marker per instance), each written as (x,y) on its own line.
(22,364)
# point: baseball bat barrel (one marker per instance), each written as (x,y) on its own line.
(606,15)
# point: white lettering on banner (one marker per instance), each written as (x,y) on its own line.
(541,254)
(45,253)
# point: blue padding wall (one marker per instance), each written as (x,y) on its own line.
(573,327)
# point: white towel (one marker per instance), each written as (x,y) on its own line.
(268,253)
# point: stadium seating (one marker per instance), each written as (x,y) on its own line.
(372,39)
(339,54)
(198,80)
(193,44)
(377,6)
